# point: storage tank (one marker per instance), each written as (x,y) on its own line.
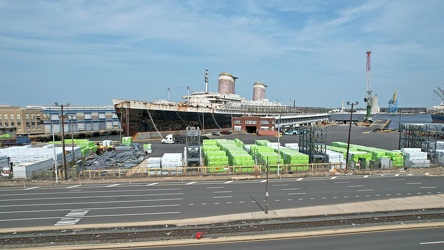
(259,91)
(226,83)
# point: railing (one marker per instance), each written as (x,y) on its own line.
(207,171)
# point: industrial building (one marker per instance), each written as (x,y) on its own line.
(46,119)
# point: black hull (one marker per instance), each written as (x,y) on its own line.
(134,121)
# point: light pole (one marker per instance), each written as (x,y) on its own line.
(71,116)
(349,131)
(55,153)
(266,190)
(62,124)
(278,152)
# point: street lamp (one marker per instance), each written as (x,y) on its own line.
(278,151)
(266,190)
(349,131)
(63,139)
(55,153)
(71,116)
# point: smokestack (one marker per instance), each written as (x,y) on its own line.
(259,91)
(226,83)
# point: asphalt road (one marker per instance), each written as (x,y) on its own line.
(390,240)
(148,201)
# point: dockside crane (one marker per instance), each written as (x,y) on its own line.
(440,94)
(368,98)
(393,104)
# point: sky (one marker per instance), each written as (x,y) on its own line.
(308,52)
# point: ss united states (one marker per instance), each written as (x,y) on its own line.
(206,110)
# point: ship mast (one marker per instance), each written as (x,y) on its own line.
(206,81)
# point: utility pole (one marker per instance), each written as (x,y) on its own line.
(72,140)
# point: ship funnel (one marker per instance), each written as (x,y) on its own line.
(226,83)
(259,91)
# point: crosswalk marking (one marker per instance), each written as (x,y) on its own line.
(299,179)
(332,178)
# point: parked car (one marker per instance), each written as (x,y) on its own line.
(291,132)
(215,133)
(225,132)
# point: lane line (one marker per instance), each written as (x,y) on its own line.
(222,197)
(189,183)
(91,216)
(414,183)
(340,182)
(431,242)
(152,184)
(355,186)
(264,181)
(299,179)
(332,178)
(219,192)
(228,182)
(428,187)
(280,185)
(74,186)
(288,189)
(214,187)
(365,176)
(89,197)
(295,193)
(365,190)
(396,174)
(113,185)
(30,188)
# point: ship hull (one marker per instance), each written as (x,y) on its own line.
(438,118)
(135,121)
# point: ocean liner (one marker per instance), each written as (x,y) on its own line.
(206,110)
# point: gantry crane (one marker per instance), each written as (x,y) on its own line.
(393,104)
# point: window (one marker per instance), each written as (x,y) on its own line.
(237,121)
(12,119)
(250,122)
(264,122)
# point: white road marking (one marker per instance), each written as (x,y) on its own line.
(191,204)
(214,187)
(203,203)
(312,198)
(338,182)
(346,196)
(228,202)
(288,199)
(72,217)
(241,201)
(396,174)
(365,190)
(277,200)
(216,203)
(73,186)
(414,183)
(30,188)
(335,197)
(280,185)
(219,192)
(287,189)
(152,184)
(324,198)
(356,196)
(263,180)
(332,178)
(355,186)
(299,179)
(295,193)
(222,197)
(431,242)
(113,185)
(428,187)
(365,176)
(228,182)
(189,183)
(300,199)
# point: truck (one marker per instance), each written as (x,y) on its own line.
(171,139)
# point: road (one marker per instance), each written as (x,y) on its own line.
(31,206)
(391,240)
